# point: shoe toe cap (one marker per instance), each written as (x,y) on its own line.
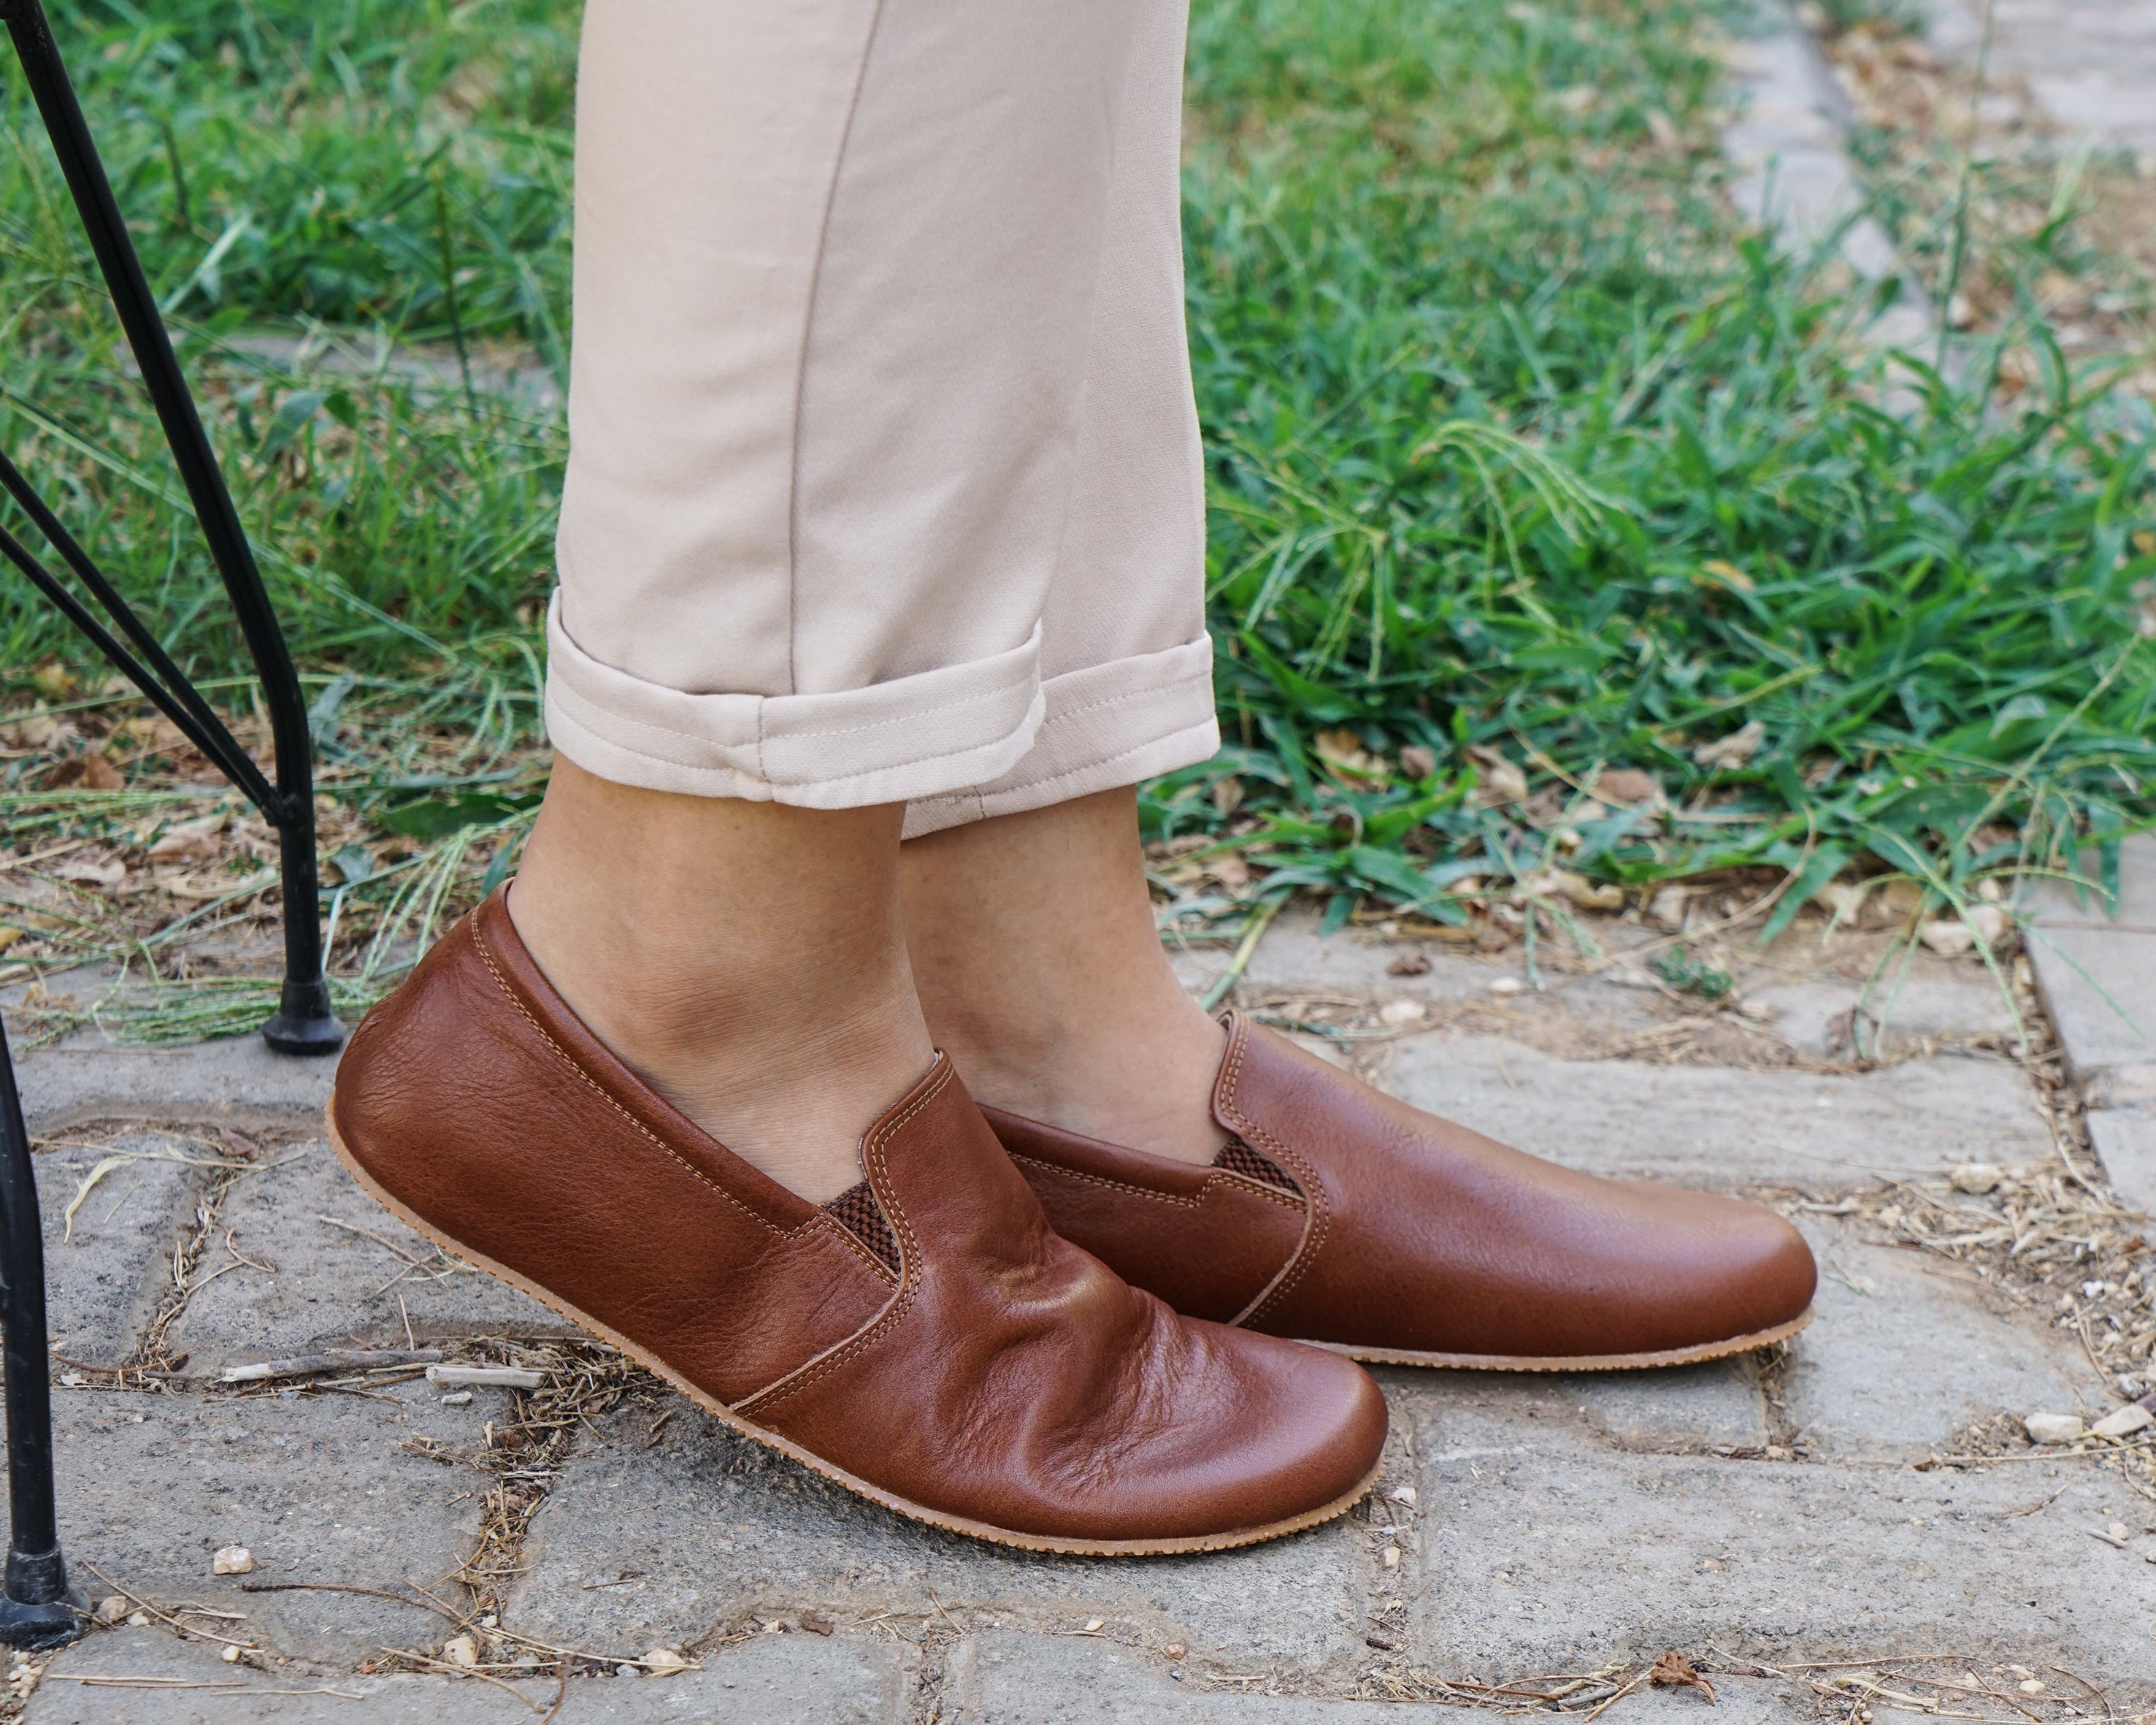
(1299,1436)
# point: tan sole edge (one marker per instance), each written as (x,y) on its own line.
(733,1422)
(1575,1362)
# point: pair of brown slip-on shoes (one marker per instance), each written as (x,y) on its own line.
(934,1340)
(927,1340)
(1338,1216)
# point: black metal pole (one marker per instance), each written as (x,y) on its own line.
(304,1023)
(36,1608)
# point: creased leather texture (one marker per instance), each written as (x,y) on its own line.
(474,1096)
(1207,1241)
(1016,1380)
(1422,1236)
(1009,1378)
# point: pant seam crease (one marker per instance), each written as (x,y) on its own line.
(801,366)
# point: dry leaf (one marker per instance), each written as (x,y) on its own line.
(9,934)
(1344,749)
(1673,1670)
(1732,750)
(663,1662)
(99,874)
(1227,795)
(1573,888)
(1629,788)
(1418,762)
(1409,964)
(1501,781)
(196,838)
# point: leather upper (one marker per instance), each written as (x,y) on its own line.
(1413,1234)
(1002,1375)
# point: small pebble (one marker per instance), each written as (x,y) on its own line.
(230,1656)
(1391,1557)
(110,1609)
(138,1620)
(1947,939)
(1506,985)
(1403,1011)
(457,1398)
(816,1623)
(2124,1422)
(2053,1428)
(460,1650)
(624,1670)
(1175,1650)
(1666,908)
(2030,1685)
(233,1560)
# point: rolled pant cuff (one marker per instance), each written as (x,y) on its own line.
(1106,726)
(927,735)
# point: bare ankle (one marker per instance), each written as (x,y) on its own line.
(1033,950)
(743,960)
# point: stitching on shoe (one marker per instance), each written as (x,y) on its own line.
(1241,1181)
(909,1255)
(1320,1213)
(600,1090)
(847,1239)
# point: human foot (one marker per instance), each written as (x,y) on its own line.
(743,958)
(925,1342)
(1342,1216)
(1039,971)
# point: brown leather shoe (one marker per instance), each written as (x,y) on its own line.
(925,1339)
(1342,1217)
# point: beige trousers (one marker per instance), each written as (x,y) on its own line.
(885,482)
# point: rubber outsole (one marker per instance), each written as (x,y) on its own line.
(1573,1362)
(771,1440)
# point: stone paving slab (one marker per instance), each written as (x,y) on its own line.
(317,1487)
(2098,972)
(1011,1679)
(106,1276)
(2125,1140)
(711,1530)
(1717,1405)
(1712,1126)
(1907,1350)
(773,1680)
(235,1081)
(1541,1550)
(2091,63)
(332,1282)
(1927,1008)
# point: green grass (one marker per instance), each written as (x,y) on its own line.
(1519,456)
